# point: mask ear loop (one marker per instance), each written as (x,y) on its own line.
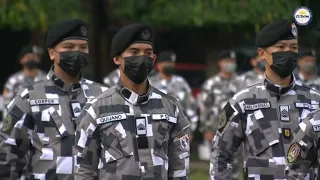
(265,59)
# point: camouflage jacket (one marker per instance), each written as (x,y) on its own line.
(126,136)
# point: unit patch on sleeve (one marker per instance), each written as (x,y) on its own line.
(293,153)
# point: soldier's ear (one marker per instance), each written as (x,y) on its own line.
(51,53)
(154,58)
(117,60)
(261,53)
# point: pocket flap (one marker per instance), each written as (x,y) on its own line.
(57,120)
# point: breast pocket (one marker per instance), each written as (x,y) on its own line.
(49,126)
(161,126)
(115,141)
(260,133)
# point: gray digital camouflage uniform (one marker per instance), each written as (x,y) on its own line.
(215,94)
(303,156)
(178,87)
(124,136)
(41,122)
(248,78)
(315,82)
(261,117)
(112,78)
(18,81)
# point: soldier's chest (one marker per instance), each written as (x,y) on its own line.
(55,113)
(276,118)
(136,129)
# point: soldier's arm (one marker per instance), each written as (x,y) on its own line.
(8,90)
(302,153)
(179,148)
(229,136)
(15,137)
(87,144)
(207,105)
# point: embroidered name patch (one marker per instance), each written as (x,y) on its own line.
(106,119)
(251,107)
(44,102)
(307,105)
(293,153)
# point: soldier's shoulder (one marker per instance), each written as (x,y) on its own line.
(106,94)
(179,78)
(92,83)
(303,89)
(14,77)
(247,92)
(211,81)
(157,93)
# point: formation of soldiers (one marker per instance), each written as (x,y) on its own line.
(262,124)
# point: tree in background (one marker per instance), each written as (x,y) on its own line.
(106,16)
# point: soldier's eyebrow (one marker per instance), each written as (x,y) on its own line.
(67,43)
(134,49)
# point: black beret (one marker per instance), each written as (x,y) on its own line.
(133,33)
(68,29)
(276,31)
(25,50)
(167,57)
(227,55)
(305,51)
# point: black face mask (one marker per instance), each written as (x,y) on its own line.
(137,68)
(73,62)
(284,63)
(32,64)
(168,70)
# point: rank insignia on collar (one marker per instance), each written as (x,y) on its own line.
(286,132)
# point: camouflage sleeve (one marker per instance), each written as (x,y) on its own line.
(302,153)
(87,144)
(229,136)
(206,106)
(179,148)
(107,81)
(190,107)
(15,137)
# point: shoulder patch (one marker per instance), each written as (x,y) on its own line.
(222,121)
(7,123)
(293,152)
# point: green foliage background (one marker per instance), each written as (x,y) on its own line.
(40,14)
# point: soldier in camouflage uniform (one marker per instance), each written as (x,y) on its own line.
(303,154)
(133,130)
(307,71)
(169,83)
(215,93)
(29,59)
(112,78)
(253,76)
(262,116)
(41,118)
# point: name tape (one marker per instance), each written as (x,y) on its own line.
(256,106)
(44,102)
(111,118)
(307,105)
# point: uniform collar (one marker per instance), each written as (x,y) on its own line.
(132,97)
(66,87)
(277,89)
